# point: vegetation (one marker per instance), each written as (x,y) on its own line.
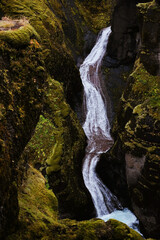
(39,129)
(39,219)
(19,37)
(147,85)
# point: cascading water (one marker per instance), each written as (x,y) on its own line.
(96,127)
(97,130)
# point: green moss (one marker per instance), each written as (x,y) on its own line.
(96,14)
(144,7)
(21,36)
(22,86)
(41,143)
(55,102)
(92,229)
(49,28)
(46,145)
(54,158)
(121,231)
(38,208)
(146,85)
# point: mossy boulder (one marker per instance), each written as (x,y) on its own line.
(58,58)
(38,218)
(38,208)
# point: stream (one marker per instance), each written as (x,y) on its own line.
(97,129)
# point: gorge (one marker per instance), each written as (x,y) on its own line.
(42,144)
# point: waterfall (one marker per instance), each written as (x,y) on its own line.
(97,129)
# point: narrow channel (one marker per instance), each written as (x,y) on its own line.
(97,129)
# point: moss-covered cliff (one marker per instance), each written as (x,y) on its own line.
(21,104)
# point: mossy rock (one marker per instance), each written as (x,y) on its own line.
(120,230)
(21,36)
(54,159)
(21,104)
(57,148)
(38,208)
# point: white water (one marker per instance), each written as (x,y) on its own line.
(97,130)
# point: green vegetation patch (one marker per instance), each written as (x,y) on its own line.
(46,145)
(38,208)
(21,36)
(97,14)
(149,6)
(42,142)
(146,85)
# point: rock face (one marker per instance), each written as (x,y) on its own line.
(132,166)
(150,36)
(122,42)
(21,103)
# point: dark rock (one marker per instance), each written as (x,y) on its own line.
(122,42)
(149,20)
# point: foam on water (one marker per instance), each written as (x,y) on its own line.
(125,216)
